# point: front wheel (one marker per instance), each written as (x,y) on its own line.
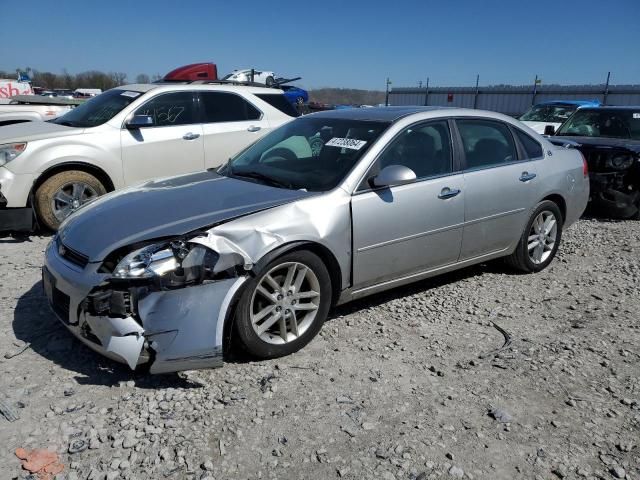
(270,81)
(63,193)
(284,306)
(540,239)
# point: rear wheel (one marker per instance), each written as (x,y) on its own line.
(63,193)
(269,81)
(284,306)
(540,239)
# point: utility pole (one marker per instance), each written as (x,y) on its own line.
(475,98)
(536,82)
(386,100)
(419,83)
(426,94)
(606,89)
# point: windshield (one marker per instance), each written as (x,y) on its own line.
(603,123)
(549,113)
(99,109)
(309,153)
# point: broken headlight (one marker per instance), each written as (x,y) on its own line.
(620,161)
(175,263)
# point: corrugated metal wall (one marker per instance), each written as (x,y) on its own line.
(512,100)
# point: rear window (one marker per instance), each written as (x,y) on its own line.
(280,102)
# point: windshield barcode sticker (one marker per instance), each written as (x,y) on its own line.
(636,115)
(352,143)
(130,94)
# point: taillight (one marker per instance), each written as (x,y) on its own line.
(585,166)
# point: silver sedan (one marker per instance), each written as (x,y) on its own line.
(326,209)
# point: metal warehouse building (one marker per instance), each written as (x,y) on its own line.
(512,100)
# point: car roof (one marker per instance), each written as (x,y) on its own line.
(379,114)
(225,87)
(571,102)
(613,107)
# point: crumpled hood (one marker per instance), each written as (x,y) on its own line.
(595,142)
(166,207)
(31,131)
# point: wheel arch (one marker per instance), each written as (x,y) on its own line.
(320,250)
(560,201)
(91,169)
(328,258)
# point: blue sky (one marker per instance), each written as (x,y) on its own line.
(354,44)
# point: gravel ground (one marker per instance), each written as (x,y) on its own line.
(397,386)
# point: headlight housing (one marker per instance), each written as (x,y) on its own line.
(174,263)
(10,151)
(620,161)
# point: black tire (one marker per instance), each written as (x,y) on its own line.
(250,339)
(269,81)
(45,193)
(520,258)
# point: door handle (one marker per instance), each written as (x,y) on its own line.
(190,136)
(447,192)
(526,176)
(253,128)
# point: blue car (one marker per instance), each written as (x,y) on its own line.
(296,95)
(553,113)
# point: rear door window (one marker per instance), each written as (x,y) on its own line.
(486,143)
(226,107)
(170,109)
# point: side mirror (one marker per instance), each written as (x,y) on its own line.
(139,121)
(393,175)
(549,130)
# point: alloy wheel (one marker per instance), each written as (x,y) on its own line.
(542,237)
(70,197)
(285,303)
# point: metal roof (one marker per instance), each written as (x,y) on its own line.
(378,114)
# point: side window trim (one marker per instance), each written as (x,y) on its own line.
(245,99)
(364,187)
(194,106)
(522,151)
(463,155)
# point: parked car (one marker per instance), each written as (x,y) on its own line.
(609,138)
(542,115)
(124,136)
(262,247)
(296,95)
(30,108)
(259,76)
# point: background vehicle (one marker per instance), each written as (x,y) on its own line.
(30,108)
(394,196)
(542,115)
(124,136)
(296,95)
(11,88)
(609,139)
(259,76)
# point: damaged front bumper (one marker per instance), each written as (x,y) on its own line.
(612,194)
(166,330)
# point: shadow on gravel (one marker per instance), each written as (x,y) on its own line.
(234,352)
(34,323)
(375,300)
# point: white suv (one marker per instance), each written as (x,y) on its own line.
(124,136)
